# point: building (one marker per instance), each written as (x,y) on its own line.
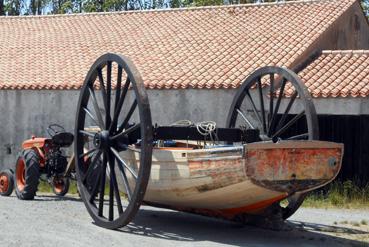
(192,62)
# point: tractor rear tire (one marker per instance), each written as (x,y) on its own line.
(27,175)
(6,182)
(60,186)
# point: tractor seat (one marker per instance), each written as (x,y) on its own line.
(63,139)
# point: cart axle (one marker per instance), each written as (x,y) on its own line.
(191,133)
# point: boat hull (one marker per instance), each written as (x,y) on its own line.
(233,180)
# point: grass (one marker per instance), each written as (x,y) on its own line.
(339,195)
(44,187)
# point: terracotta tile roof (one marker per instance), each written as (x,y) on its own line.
(212,47)
(340,73)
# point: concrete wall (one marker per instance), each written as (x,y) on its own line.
(349,32)
(25,113)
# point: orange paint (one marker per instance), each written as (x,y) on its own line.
(40,145)
(20,174)
(253,207)
(229,213)
(4,183)
(58,185)
(34,142)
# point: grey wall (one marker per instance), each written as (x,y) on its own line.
(24,113)
(349,32)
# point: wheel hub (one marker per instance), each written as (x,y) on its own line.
(3,183)
(101,140)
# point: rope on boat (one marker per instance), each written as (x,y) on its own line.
(205,128)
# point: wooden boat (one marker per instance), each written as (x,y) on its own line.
(231,181)
(268,152)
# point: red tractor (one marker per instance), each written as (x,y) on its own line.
(42,158)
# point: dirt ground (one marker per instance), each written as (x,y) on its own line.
(50,221)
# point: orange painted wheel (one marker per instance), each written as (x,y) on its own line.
(20,174)
(60,186)
(6,182)
(27,174)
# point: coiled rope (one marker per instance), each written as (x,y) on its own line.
(205,128)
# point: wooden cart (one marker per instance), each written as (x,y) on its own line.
(267,153)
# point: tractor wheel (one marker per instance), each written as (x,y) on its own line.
(6,182)
(60,186)
(27,174)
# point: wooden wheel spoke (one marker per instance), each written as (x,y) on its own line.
(127,131)
(299,137)
(111,196)
(88,153)
(95,188)
(125,181)
(114,183)
(129,115)
(244,118)
(262,104)
(271,101)
(254,107)
(91,166)
(119,105)
(271,128)
(91,116)
(119,84)
(121,161)
(289,124)
(102,187)
(285,114)
(104,96)
(87,133)
(96,108)
(108,95)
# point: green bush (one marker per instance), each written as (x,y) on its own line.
(339,194)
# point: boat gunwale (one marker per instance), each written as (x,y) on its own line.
(285,144)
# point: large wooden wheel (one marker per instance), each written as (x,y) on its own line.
(276,102)
(113,102)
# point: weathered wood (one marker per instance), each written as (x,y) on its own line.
(238,179)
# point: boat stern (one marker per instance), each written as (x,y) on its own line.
(293,166)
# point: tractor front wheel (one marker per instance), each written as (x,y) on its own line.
(60,186)
(27,174)
(6,182)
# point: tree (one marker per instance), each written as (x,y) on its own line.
(13,7)
(2,11)
(36,7)
(365,5)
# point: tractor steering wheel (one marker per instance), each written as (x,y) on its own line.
(54,129)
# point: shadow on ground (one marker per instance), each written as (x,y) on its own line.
(54,198)
(180,226)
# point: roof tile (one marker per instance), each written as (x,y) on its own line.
(210,47)
(351,79)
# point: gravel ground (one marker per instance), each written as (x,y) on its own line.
(49,221)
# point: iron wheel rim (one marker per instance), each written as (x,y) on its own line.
(111,127)
(270,124)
